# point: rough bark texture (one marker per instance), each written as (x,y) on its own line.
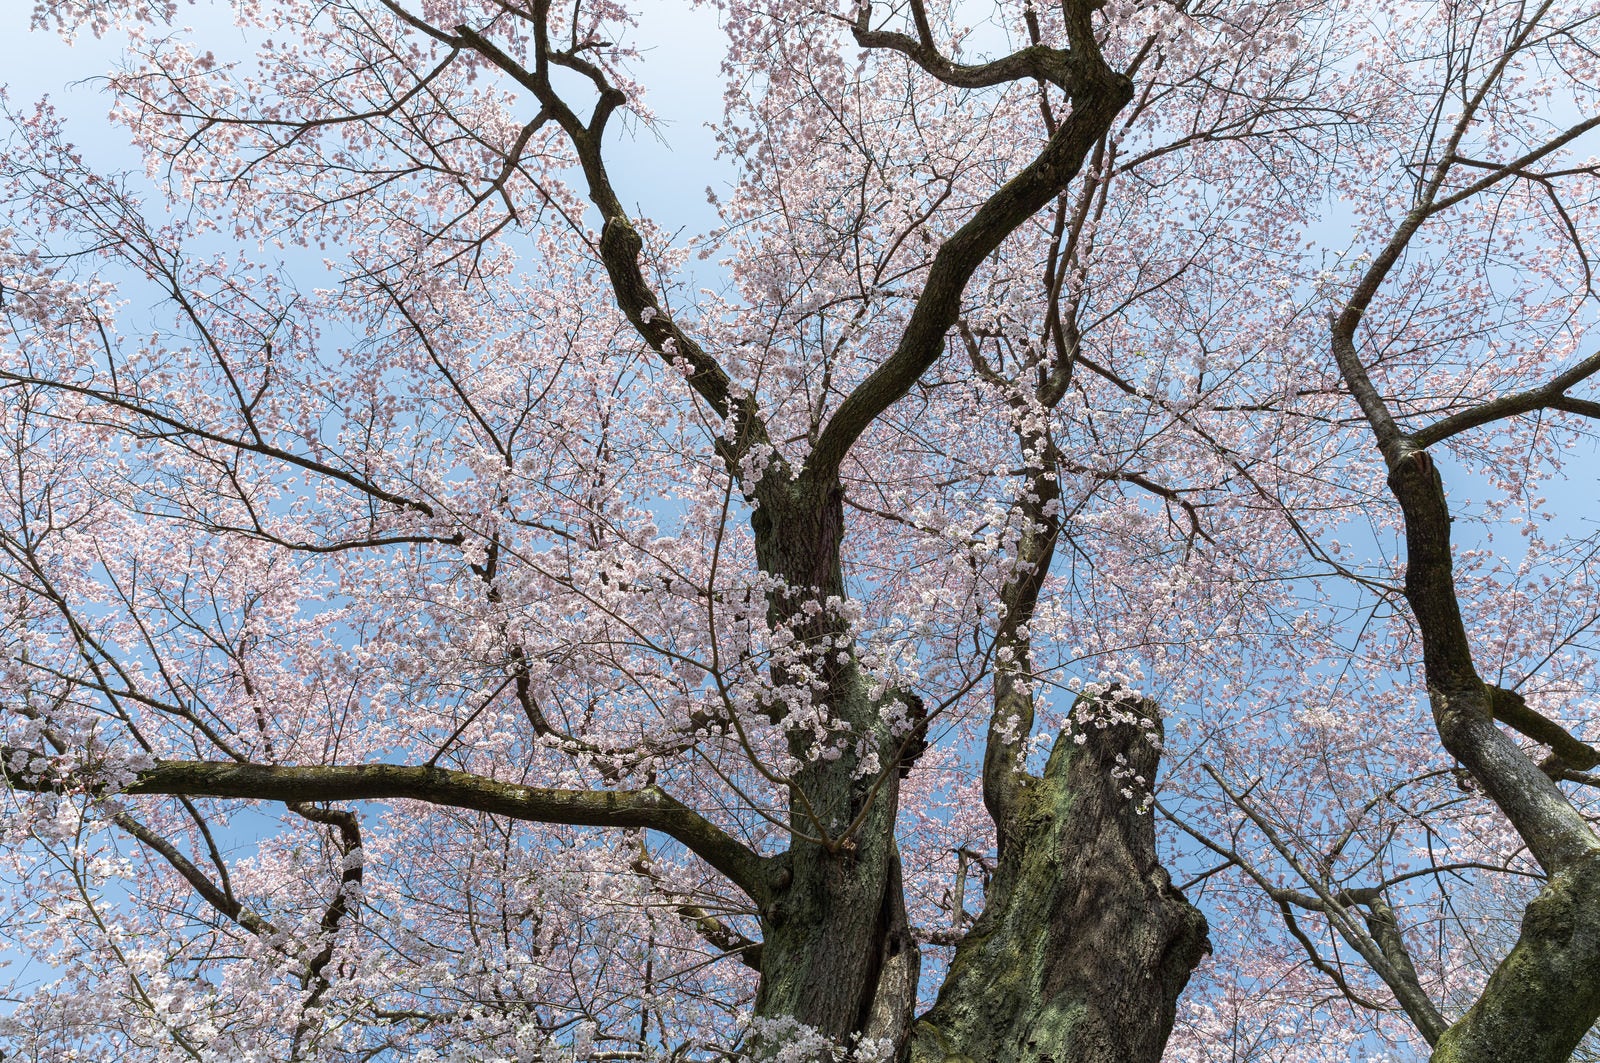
(1545,995)
(1084,939)
(838,919)
(837,956)
(1084,944)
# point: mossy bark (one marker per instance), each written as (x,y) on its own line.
(1084,944)
(1545,995)
(836,921)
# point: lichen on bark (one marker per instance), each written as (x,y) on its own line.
(1084,944)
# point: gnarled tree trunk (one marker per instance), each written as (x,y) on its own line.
(1084,944)
(837,919)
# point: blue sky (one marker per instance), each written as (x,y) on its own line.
(666,177)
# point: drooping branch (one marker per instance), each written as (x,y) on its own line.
(351,875)
(716,931)
(219,894)
(1329,970)
(213,894)
(650,808)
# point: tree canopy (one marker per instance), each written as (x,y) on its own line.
(450,615)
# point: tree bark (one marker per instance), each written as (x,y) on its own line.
(837,923)
(1545,995)
(1084,943)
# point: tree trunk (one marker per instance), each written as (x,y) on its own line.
(1084,943)
(836,931)
(1545,995)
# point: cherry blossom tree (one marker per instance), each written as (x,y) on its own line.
(438,628)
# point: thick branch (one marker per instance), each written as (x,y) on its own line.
(1102,94)
(1512,709)
(1011,720)
(1556,833)
(1550,396)
(1392,442)
(650,808)
(1384,926)
(1036,61)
